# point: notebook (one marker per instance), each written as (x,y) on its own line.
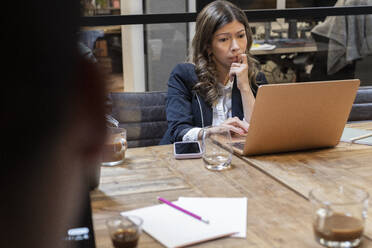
(297,116)
(173,228)
(350,133)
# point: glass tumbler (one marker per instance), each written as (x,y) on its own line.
(217,150)
(124,231)
(115,146)
(339,213)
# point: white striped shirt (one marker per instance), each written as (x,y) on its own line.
(221,112)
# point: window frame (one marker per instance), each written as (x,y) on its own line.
(258,15)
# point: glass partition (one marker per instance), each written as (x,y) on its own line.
(140,57)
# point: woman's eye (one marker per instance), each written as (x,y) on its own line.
(222,40)
(241,35)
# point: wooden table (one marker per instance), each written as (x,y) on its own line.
(279,214)
(114,29)
(292,46)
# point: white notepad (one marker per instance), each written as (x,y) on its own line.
(174,228)
(231,211)
(350,133)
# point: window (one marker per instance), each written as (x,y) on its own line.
(140,42)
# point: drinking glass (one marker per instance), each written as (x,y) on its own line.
(339,213)
(115,146)
(124,230)
(217,150)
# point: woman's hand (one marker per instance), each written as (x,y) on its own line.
(240,70)
(235,125)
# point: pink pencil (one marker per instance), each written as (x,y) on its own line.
(183,210)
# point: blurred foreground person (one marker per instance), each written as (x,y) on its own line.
(52,123)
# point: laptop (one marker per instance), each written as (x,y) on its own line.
(298,116)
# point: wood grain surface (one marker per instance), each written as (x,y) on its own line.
(279,215)
(345,164)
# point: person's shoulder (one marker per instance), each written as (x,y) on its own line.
(185,72)
(182,79)
(184,68)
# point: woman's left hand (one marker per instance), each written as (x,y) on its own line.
(241,72)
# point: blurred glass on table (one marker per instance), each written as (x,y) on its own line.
(115,146)
(125,231)
(339,215)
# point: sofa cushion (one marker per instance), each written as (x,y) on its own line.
(142,114)
(362,107)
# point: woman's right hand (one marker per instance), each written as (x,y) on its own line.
(235,125)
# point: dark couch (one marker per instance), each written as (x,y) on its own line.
(362,107)
(142,114)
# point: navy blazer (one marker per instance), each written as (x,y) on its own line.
(185,109)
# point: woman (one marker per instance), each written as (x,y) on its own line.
(219,86)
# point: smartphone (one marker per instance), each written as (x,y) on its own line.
(187,149)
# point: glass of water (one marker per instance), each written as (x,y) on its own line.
(217,150)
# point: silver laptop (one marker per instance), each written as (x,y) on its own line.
(298,116)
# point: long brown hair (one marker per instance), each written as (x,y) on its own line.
(213,17)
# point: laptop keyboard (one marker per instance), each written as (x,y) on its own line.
(239,145)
